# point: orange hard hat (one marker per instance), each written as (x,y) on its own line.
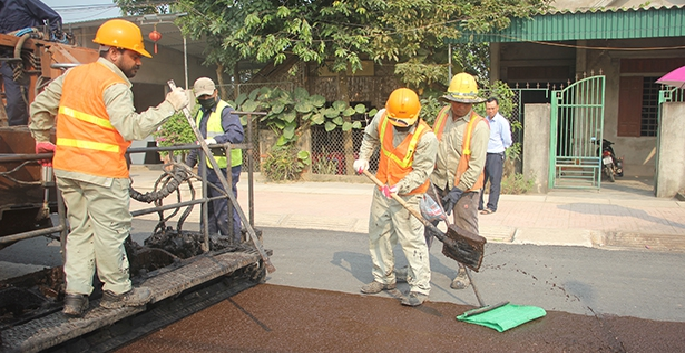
(121,34)
(403,107)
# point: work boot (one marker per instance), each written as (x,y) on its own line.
(76,305)
(375,287)
(414,299)
(133,297)
(401,275)
(461,281)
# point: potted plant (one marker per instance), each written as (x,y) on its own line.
(174,132)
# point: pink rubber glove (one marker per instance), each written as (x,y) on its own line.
(45,147)
(388,190)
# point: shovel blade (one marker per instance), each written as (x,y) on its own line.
(462,246)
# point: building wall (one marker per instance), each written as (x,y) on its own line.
(535,157)
(671,177)
(639,152)
(523,63)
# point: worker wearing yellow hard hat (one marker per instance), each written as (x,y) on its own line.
(463,138)
(121,34)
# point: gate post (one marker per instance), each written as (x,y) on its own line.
(670,173)
(535,145)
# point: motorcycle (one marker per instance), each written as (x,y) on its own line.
(610,164)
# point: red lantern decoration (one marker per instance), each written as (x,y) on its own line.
(155,36)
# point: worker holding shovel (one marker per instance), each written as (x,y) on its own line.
(408,152)
(463,139)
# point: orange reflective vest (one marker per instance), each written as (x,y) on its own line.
(467,138)
(396,162)
(86,141)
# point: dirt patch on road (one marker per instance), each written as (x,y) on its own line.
(272,318)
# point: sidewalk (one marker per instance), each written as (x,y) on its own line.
(620,216)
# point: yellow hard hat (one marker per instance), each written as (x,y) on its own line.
(403,107)
(463,89)
(121,34)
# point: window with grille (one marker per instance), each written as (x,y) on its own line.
(650,106)
(638,107)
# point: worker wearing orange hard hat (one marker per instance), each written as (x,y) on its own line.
(407,154)
(92,107)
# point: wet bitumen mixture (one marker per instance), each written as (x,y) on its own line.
(275,318)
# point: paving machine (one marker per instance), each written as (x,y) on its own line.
(172,261)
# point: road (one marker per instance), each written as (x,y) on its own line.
(577,280)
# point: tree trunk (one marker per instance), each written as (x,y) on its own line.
(236,81)
(348,149)
(219,78)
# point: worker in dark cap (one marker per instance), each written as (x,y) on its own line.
(218,124)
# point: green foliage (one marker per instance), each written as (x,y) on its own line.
(431,105)
(285,163)
(409,33)
(516,183)
(175,131)
(514,151)
(324,165)
(286,111)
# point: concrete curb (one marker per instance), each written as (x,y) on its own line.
(596,219)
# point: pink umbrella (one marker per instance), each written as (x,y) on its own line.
(675,78)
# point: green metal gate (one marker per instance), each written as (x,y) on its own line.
(577,124)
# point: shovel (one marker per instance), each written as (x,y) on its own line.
(459,245)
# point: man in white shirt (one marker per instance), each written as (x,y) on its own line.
(499,141)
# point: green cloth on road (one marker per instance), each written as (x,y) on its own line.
(505,317)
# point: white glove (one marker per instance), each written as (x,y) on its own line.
(178,98)
(210,141)
(360,165)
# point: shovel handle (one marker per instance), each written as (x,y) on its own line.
(413,211)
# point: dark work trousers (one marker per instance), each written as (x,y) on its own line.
(17,106)
(218,209)
(492,173)
(464,214)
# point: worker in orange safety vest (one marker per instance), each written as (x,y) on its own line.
(96,122)
(407,154)
(463,137)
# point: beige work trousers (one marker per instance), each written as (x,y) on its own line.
(389,224)
(100,222)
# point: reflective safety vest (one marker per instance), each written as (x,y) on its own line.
(396,162)
(86,141)
(464,163)
(214,127)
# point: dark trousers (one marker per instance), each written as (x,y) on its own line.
(17,107)
(464,214)
(218,209)
(492,172)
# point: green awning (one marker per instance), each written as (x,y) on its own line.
(608,24)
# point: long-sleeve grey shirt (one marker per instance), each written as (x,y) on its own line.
(119,102)
(422,160)
(450,150)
